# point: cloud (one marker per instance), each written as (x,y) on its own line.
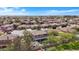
(55,12)
(23,11)
(59,12)
(12,11)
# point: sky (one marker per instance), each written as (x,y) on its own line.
(38,11)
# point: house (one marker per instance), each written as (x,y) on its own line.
(66,29)
(33,22)
(54,25)
(18,33)
(25,22)
(39,35)
(7,39)
(34,26)
(22,27)
(44,25)
(63,24)
(7,27)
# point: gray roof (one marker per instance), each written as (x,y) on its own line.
(8,37)
(38,32)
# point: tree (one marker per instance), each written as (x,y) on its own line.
(77,29)
(51,49)
(26,41)
(2,33)
(53,38)
(14,45)
(67,36)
